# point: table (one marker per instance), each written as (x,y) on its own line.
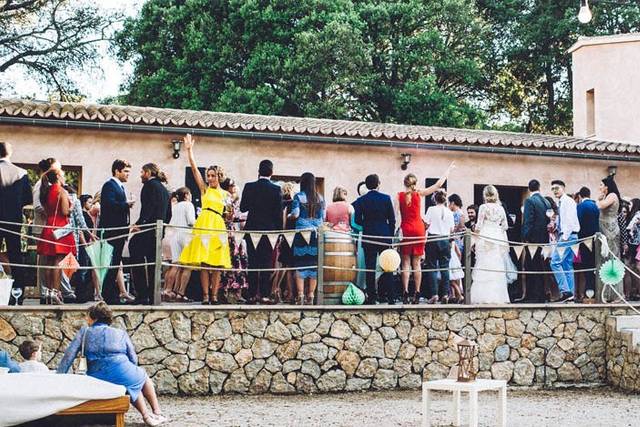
(473,388)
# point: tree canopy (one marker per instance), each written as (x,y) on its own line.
(483,63)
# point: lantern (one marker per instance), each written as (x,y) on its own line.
(389,260)
(466,369)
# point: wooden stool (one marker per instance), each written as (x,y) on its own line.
(473,388)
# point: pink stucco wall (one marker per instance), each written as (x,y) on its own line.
(343,165)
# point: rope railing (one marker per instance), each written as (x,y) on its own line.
(324,236)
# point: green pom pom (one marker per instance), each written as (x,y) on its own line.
(353,295)
(612,272)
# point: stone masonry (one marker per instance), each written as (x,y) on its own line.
(199,351)
(623,352)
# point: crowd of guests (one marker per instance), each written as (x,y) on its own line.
(271,267)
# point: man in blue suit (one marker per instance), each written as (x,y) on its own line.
(114,212)
(589,218)
(375,214)
(534,230)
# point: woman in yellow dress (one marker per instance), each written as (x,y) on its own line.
(209,246)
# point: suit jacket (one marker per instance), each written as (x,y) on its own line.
(589,218)
(262,199)
(15,191)
(534,226)
(375,214)
(114,209)
(154,199)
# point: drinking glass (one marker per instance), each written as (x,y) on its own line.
(16,292)
(549,213)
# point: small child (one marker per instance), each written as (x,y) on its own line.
(32,353)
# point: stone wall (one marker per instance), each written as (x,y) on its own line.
(623,353)
(257,350)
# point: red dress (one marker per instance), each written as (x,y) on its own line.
(412,225)
(53,246)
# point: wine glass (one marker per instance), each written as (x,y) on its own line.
(549,213)
(589,293)
(16,292)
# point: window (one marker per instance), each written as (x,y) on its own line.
(72,174)
(428,201)
(591,113)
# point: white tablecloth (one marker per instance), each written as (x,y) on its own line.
(28,397)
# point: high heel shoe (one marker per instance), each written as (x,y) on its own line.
(55,297)
(405,297)
(416,298)
(126,298)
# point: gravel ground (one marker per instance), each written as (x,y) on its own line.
(535,408)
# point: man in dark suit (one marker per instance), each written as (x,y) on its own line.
(262,199)
(534,230)
(154,206)
(15,193)
(589,218)
(374,213)
(114,212)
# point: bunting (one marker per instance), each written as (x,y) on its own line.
(273,239)
(589,244)
(533,250)
(224,239)
(289,238)
(575,249)
(561,250)
(547,251)
(255,239)
(518,250)
(306,235)
(205,239)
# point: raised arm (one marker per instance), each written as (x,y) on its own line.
(438,185)
(607,201)
(189,142)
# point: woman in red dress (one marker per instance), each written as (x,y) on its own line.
(55,201)
(414,231)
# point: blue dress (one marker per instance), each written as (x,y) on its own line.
(306,254)
(110,357)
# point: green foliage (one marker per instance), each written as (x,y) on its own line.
(413,61)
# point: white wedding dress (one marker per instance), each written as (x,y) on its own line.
(490,287)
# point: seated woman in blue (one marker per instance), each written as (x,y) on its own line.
(112,358)
(308,209)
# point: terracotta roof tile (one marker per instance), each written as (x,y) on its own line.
(306,126)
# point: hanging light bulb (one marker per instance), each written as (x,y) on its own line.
(584,15)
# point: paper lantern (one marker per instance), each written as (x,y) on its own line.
(389,260)
(612,272)
(466,369)
(353,295)
(69,265)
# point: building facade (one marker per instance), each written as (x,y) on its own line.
(606,88)
(87,138)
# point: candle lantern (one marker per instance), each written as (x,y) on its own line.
(466,368)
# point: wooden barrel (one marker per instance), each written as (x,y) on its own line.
(339,251)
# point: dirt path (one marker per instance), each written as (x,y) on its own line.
(557,408)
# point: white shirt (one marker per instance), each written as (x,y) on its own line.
(439,218)
(120,184)
(183,215)
(568,220)
(33,366)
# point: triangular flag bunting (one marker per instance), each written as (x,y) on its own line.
(575,248)
(532,249)
(289,238)
(561,250)
(518,250)
(306,235)
(588,244)
(204,239)
(255,239)
(224,239)
(547,251)
(273,239)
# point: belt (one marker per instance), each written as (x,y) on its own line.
(214,211)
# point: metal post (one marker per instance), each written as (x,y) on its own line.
(157,275)
(597,253)
(320,280)
(467,267)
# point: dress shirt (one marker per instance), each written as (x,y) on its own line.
(120,184)
(439,218)
(568,219)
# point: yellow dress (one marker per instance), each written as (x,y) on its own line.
(209,247)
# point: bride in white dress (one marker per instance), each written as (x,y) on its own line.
(490,287)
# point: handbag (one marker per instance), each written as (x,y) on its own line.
(82,360)
(63,231)
(511,269)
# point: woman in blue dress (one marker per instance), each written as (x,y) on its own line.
(112,358)
(308,209)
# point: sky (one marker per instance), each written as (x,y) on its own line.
(103,83)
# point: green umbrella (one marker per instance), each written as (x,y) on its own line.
(100,254)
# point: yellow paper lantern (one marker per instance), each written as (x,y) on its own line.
(389,260)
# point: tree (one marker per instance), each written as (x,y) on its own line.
(421,62)
(50,38)
(532,87)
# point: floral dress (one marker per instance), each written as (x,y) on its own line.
(236,280)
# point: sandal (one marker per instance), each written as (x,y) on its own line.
(275,297)
(300,300)
(309,299)
(151,420)
(205,299)
(168,296)
(182,298)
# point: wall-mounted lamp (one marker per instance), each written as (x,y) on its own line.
(176,143)
(406,159)
(584,14)
(613,169)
